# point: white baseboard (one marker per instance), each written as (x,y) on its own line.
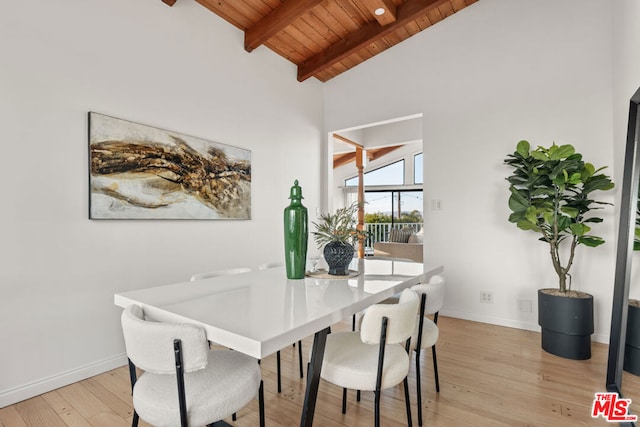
(510,323)
(27,391)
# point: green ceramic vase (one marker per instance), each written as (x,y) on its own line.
(296,234)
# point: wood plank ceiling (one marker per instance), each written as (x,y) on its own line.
(325,38)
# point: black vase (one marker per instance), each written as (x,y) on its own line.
(632,342)
(567,325)
(338,256)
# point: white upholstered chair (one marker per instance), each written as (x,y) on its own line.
(217,273)
(427,333)
(267,266)
(376,357)
(184,383)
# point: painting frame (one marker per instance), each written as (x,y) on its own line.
(138,171)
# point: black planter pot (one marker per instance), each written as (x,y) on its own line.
(338,256)
(632,342)
(567,324)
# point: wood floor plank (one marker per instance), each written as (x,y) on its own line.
(108,419)
(36,412)
(84,401)
(10,417)
(117,382)
(118,402)
(65,411)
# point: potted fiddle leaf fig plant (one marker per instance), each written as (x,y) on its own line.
(551,195)
(338,232)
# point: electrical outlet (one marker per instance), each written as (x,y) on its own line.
(486,297)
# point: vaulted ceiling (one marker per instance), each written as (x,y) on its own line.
(324,38)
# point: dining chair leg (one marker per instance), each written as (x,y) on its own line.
(234,416)
(278,371)
(376,413)
(435,368)
(358,396)
(406,399)
(133,377)
(418,387)
(381,348)
(344,400)
(261,403)
(300,359)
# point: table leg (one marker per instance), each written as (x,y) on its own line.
(313,378)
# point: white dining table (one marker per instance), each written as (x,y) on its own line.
(261,312)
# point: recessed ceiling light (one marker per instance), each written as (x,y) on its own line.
(379,11)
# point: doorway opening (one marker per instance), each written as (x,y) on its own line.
(392,175)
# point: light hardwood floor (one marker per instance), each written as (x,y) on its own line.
(489,376)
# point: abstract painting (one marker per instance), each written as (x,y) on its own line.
(143,172)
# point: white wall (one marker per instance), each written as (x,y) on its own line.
(179,68)
(494,73)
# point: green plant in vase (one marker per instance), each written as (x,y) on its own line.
(337,232)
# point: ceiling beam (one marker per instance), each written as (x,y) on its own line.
(388,8)
(342,159)
(169,2)
(370,33)
(379,152)
(277,20)
(347,140)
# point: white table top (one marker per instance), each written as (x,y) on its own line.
(261,312)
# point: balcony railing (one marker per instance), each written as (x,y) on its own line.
(379,232)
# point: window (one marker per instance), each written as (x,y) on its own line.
(396,204)
(385,210)
(392,174)
(417,169)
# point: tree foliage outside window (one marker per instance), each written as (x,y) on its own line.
(382,218)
